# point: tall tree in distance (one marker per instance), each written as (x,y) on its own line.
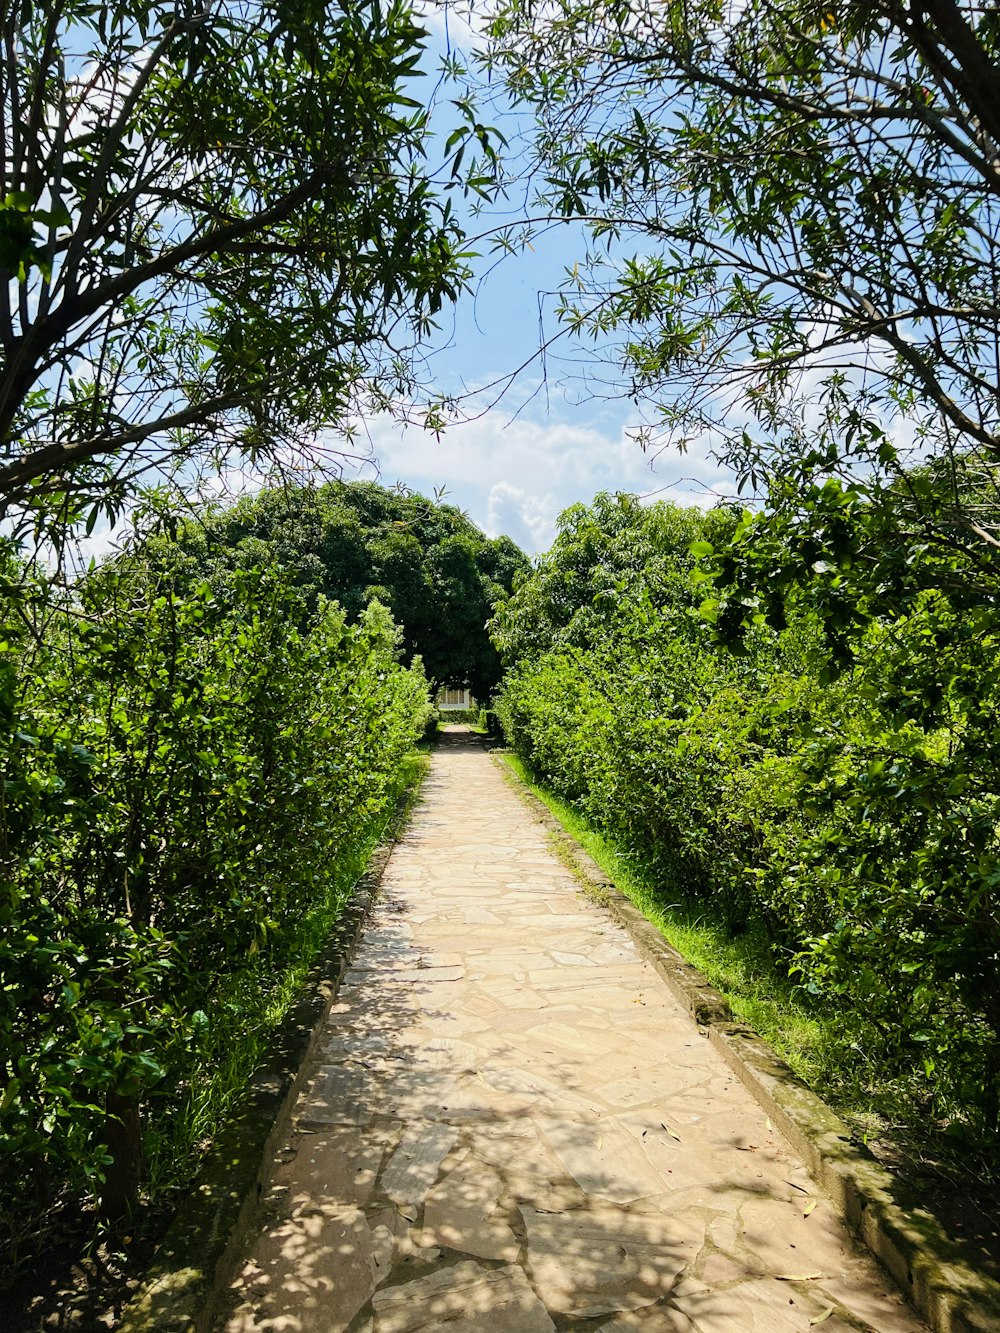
(795,222)
(355,542)
(217,231)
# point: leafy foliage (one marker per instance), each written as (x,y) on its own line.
(432,567)
(794,217)
(833,784)
(185,768)
(216,231)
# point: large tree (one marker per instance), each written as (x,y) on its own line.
(356,542)
(216,228)
(794,212)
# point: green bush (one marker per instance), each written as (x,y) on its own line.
(489,722)
(847,808)
(182,774)
(460,716)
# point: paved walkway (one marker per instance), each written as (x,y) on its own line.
(514,1128)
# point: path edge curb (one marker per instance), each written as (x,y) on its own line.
(928,1267)
(197,1258)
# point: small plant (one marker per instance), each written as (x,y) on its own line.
(489,722)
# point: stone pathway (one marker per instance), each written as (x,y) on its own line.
(514,1128)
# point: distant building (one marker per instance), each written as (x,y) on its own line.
(452,699)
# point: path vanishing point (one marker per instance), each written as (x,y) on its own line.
(513,1127)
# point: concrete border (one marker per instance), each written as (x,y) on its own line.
(910,1244)
(197,1259)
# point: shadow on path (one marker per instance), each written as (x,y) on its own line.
(514,1128)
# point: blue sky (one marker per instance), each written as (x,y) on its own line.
(549,441)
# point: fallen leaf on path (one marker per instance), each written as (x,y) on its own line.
(809,1207)
(821,1318)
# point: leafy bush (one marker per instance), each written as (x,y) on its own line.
(183,771)
(839,791)
(489,721)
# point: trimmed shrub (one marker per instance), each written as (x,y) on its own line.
(851,813)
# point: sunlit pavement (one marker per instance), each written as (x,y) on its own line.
(512,1125)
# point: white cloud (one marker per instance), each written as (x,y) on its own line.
(512,476)
(516,476)
(528,519)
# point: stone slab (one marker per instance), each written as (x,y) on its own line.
(599,1261)
(314,1272)
(464,1298)
(602,1157)
(339,1095)
(415,1164)
(331,1165)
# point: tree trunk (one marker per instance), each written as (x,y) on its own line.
(120,1191)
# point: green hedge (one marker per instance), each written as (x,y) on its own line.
(183,773)
(459,716)
(490,722)
(851,815)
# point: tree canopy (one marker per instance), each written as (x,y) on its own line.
(606,556)
(217,229)
(794,214)
(351,543)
